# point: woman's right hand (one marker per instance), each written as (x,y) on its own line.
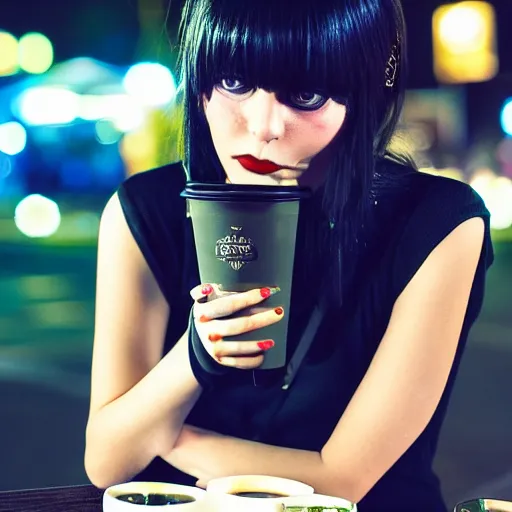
(211,307)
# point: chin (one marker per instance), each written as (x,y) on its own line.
(249,178)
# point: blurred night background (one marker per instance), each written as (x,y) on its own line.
(87,92)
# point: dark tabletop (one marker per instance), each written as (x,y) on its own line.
(81,498)
(87,498)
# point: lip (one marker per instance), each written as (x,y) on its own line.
(253,164)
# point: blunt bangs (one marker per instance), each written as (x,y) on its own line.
(339,48)
(275,45)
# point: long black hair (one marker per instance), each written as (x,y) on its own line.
(353,50)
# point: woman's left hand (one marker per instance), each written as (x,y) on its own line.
(213,308)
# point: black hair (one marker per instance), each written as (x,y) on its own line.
(353,50)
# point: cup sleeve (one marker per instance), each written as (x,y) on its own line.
(205,369)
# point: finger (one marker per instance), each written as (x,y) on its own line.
(241,348)
(205,292)
(201,484)
(233,302)
(219,329)
(242,363)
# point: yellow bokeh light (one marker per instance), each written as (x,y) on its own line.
(464,38)
(462,29)
(35,53)
(8,54)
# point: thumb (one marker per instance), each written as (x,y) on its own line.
(205,292)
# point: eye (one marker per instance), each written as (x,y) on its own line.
(233,85)
(308,100)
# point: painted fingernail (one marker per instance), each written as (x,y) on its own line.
(204,318)
(266,345)
(268,292)
(279,311)
(207,289)
(214,337)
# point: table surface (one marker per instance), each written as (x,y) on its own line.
(81,498)
(87,498)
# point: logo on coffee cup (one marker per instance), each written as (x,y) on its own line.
(236,249)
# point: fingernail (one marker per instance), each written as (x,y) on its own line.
(266,345)
(207,289)
(214,337)
(204,318)
(268,292)
(279,311)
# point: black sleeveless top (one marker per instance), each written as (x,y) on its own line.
(413,212)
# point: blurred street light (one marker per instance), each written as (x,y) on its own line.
(35,53)
(496,191)
(150,84)
(13,138)
(464,38)
(506,117)
(37,216)
(8,54)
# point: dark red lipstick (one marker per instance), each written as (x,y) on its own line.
(258,166)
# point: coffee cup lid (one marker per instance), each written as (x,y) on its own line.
(249,193)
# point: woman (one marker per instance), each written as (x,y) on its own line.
(396,259)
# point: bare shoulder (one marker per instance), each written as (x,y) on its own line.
(131,311)
(455,258)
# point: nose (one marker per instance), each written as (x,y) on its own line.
(265,116)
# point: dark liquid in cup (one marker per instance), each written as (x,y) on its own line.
(156,499)
(257,494)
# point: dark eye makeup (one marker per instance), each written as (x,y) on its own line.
(301,100)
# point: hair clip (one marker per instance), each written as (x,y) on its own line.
(392,65)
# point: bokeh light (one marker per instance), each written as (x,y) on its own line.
(48,105)
(462,27)
(130,119)
(37,216)
(506,117)
(121,110)
(5,166)
(106,132)
(13,138)
(464,42)
(35,53)
(151,84)
(496,191)
(8,54)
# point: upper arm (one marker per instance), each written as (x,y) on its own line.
(131,312)
(405,381)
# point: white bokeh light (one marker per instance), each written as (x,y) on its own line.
(151,84)
(13,138)
(41,106)
(37,216)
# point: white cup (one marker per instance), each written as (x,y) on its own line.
(111,503)
(317,503)
(222,497)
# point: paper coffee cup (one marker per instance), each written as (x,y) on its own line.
(245,238)
(245,492)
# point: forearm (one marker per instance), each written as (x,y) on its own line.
(207,455)
(124,436)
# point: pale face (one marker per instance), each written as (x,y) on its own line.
(289,132)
